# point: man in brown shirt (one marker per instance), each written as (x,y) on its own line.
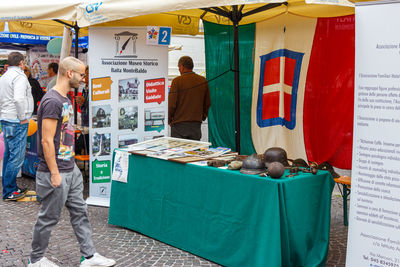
(188,102)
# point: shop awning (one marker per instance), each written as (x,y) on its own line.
(117,10)
(183,16)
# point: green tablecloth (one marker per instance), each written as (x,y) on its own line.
(227,217)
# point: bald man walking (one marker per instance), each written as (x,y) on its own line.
(58,180)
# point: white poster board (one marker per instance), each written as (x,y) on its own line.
(374,231)
(128,98)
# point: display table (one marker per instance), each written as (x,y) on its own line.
(224,216)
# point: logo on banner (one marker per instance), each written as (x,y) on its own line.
(93,7)
(125,44)
(103,190)
(92,13)
(278,86)
(101,88)
(154,90)
(152,35)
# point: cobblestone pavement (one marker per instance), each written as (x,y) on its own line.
(129,248)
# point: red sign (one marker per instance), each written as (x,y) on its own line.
(154,90)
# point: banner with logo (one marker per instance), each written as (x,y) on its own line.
(128,103)
(280,71)
(374,221)
(38,59)
(303,87)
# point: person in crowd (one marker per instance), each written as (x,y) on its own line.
(188,102)
(3,70)
(16,106)
(37,91)
(82,143)
(52,70)
(59,182)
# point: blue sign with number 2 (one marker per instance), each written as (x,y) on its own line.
(164,37)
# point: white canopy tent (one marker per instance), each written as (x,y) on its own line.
(38,17)
(38,10)
(110,10)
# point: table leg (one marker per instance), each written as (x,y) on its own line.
(345,194)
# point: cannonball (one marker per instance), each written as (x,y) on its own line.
(276,169)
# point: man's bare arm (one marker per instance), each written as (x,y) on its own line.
(49,127)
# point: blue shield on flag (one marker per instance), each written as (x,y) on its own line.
(278,86)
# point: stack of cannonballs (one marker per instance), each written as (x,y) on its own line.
(273,163)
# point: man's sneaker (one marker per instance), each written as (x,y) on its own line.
(22,190)
(44,262)
(97,260)
(14,196)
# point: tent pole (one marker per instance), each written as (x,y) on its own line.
(236,17)
(237,88)
(76,28)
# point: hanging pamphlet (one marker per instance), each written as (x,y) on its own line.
(121,166)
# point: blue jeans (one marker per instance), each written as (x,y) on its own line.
(14,154)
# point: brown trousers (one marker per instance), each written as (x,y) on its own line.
(186,130)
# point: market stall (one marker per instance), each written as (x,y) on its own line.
(222,215)
(231,218)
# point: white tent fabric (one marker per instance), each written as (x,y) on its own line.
(109,10)
(93,12)
(38,10)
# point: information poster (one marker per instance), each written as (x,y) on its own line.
(39,59)
(128,98)
(374,230)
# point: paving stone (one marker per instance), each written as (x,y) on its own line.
(127,247)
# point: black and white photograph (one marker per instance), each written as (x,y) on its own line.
(128,89)
(101,116)
(128,118)
(101,145)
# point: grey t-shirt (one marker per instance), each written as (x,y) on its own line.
(55,106)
